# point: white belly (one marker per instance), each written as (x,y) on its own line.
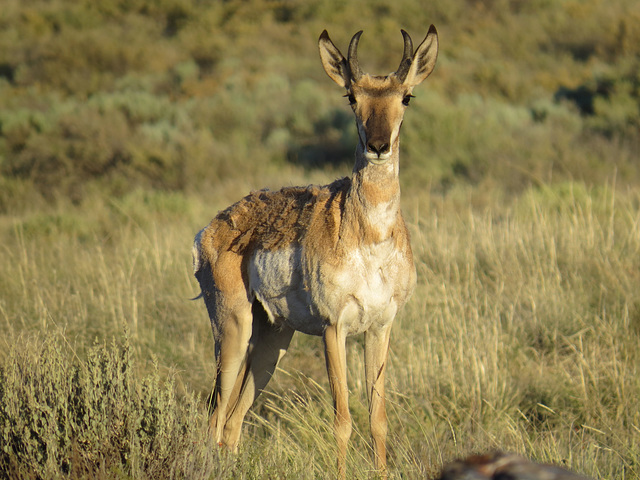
(276,279)
(362,293)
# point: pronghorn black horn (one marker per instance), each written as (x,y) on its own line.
(407,57)
(356,72)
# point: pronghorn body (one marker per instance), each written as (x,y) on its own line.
(330,260)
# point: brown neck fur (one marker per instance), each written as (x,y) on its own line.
(372,206)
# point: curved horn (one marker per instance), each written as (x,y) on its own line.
(407,57)
(352,56)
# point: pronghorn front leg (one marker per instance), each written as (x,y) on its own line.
(375,357)
(336,358)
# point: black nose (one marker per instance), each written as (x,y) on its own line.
(378,148)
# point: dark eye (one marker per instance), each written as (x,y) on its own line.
(352,98)
(406,100)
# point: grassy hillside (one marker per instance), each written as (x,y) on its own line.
(125,126)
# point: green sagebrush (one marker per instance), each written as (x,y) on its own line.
(65,417)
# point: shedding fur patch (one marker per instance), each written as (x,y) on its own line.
(269,220)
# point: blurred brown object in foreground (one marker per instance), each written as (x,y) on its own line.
(504,466)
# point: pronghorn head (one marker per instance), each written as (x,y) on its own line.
(379,102)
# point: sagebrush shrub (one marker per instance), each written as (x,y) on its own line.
(65,417)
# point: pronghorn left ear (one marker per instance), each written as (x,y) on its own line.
(333,61)
(424,59)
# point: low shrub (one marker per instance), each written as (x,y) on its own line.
(62,417)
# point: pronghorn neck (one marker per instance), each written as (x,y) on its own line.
(374,199)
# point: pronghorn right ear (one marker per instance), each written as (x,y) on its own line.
(333,61)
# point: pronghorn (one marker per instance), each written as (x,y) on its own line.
(332,260)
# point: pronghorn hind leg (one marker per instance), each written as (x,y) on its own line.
(232,329)
(268,345)
(233,399)
(227,301)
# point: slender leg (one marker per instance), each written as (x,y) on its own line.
(376,350)
(269,344)
(233,344)
(334,344)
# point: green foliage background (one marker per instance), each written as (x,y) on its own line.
(126,125)
(182,95)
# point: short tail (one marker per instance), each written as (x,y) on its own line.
(198,260)
(196,252)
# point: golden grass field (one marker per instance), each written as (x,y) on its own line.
(522,336)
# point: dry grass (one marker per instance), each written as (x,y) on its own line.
(522,335)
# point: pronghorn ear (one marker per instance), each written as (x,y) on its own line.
(424,59)
(333,61)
